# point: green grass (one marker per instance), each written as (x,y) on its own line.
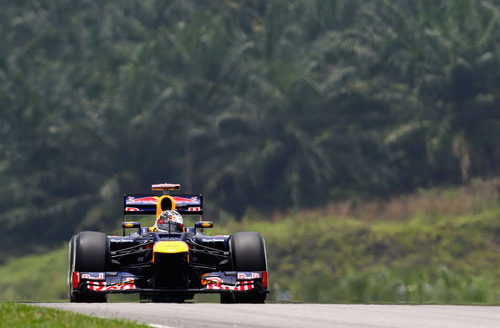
(35,277)
(430,253)
(452,260)
(21,315)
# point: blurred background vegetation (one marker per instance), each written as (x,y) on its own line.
(338,122)
(434,246)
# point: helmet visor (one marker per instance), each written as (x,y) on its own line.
(168,226)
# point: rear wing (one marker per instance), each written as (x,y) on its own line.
(142,204)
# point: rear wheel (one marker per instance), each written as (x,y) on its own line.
(248,253)
(88,252)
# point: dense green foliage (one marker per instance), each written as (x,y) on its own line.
(436,252)
(28,316)
(269,104)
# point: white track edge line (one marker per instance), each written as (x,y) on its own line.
(158,326)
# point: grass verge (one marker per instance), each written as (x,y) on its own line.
(20,315)
(35,277)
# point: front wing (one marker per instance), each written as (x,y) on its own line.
(213,282)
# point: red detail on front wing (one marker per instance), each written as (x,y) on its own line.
(229,287)
(124,282)
(100,286)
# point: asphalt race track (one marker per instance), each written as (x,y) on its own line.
(192,315)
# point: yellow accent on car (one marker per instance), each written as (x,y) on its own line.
(170,247)
(164,203)
(210,280)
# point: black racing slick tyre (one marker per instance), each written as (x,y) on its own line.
(248,253)
(88,252)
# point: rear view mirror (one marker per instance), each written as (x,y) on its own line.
(127,225)
(204,224)
(131,225)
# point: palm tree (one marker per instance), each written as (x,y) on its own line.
(444,61)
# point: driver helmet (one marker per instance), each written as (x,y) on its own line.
(170,221)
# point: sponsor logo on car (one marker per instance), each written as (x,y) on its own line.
(121,240)
(142,200)
(229,287)
(248,275)
(99,286)
(183,200)
(212,240)
(93,276)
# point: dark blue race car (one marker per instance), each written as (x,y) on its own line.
(167,262)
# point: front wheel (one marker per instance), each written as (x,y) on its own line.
(88,252)
(248,253)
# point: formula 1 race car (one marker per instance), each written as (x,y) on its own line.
(167,265)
